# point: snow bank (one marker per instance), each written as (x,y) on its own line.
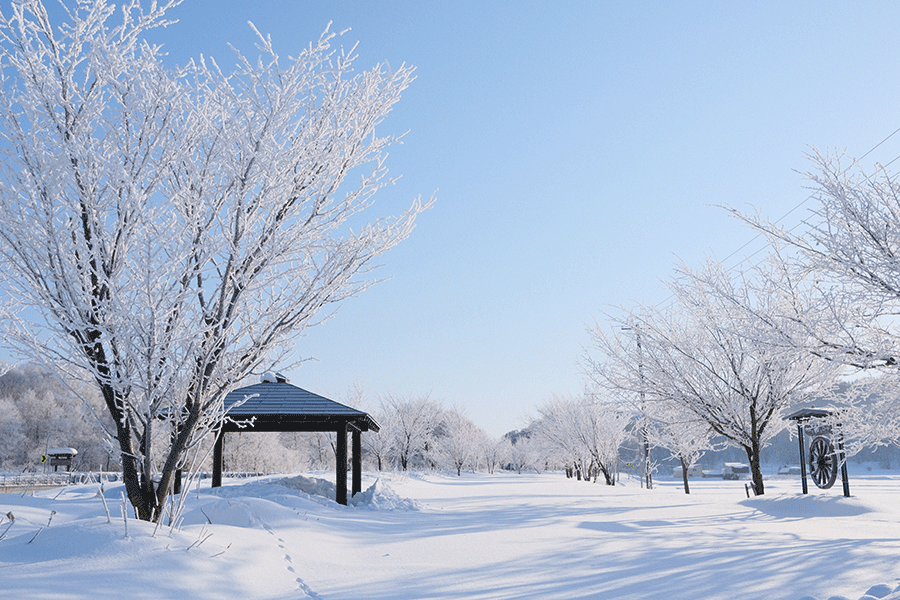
(309,485)
(379,495)
(881,591)
(803,505)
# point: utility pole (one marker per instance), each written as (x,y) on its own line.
(648,476)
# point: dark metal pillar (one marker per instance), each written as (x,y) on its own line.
(357,462)
(218,459)
(802,456)
(340,453)
(844,477)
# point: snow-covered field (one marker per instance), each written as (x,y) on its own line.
(475,536)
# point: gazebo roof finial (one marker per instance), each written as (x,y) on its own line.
(273,377)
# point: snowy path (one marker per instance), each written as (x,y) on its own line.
(547,537)
(474,537)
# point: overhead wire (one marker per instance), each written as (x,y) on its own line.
(758,235)
(785,215)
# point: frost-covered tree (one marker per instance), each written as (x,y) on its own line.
(39,411)
(724,352)
(456,439)
(410,424)
(587,431)
(522,452)
(263,452)
(378,447)
(490,452)
(850,244)
(865,412)
(680,432)
(172,230)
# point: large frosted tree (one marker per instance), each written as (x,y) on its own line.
(850,244)
(168,231)
(725,353)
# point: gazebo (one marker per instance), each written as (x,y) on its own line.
(276,405)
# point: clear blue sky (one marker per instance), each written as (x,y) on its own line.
(576,149)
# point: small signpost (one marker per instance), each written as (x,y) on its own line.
(60,457)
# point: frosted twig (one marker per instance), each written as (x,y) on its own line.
(12,519)
(105,507)
(125,513)
(52,512)
(200,538)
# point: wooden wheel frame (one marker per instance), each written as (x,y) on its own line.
(823,462)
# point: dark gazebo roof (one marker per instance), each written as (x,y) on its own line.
(280,406)
(809,413)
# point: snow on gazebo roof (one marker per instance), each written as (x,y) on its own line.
(278,402)
(807,413)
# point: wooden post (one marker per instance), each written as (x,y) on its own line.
(218,459)
(357,462)
(341,467)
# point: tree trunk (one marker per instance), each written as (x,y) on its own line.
(608,475)
(139,491)
(684,475)
(755,469)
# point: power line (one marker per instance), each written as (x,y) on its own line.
(880,143)
(785,215)
(758,235)
(886,164)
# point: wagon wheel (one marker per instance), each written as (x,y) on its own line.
(823,464)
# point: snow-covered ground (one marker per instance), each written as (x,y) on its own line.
(475,536)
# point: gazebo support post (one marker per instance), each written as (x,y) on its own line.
(802,456)
(218,459)
(357,461)
(340,453)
